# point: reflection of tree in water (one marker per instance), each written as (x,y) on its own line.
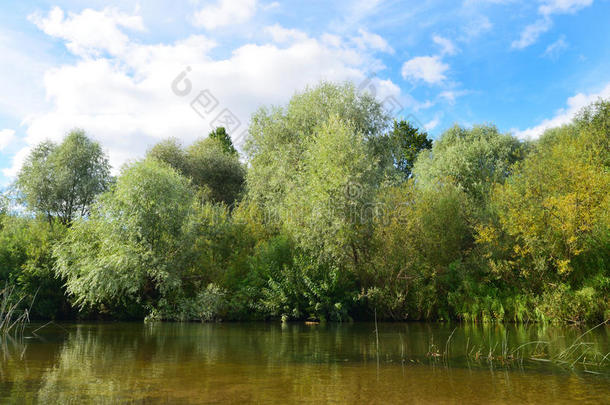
(188,363)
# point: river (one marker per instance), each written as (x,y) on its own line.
(355,363)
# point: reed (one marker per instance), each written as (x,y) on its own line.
(579,354)
(12,319)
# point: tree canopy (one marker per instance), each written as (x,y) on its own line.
(62,181)
(337,214)
(212,165)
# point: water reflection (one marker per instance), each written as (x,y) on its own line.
(259,362)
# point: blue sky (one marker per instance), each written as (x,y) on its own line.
(108,66)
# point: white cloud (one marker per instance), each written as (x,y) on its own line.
(225,12)
(553,50)
(331,40)
(447,46)
(126,102)
(532,32)
(282,35)
(429,126)
(548,8)
(17,162)
(91,32)
(430,69)
(24,63)
(564,115)
(369,40)
(7,136)
(451,95)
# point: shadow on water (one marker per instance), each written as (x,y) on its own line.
(270,362)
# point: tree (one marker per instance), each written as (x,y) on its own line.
(215,171)
(473,159)
(63,181)
(135,245)
(218,174)
(593,124)
(220,134)
(26,262)
(327,212)
(279,136)
(556,207)
(423,235)
(172,152)
(403,144)
(551,237)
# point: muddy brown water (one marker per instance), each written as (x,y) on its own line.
(193,363)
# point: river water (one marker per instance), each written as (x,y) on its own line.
(194,363)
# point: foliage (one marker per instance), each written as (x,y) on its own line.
(296,286)
(220,135)
(62,181)
(335,216)
(208,305)
(403,144)
(424,235)
(26,263)
(135,245)
(473,159)
(555,209)
(280,136)
(212,165)
(326,210)
(218,174)
(171,152)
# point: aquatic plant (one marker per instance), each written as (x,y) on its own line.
(11,317)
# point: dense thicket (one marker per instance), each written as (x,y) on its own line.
(337,213)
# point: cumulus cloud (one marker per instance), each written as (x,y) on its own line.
(225,12)
(91,32)
(127,101)
(547,9)
(7,136)
(429,69)
(564,115)
(18,160)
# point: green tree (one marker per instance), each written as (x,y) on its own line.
(555,205)
(26,262)
(135,245)
(172,152)
(551,236)
(213,169)
(403,144)
(423,238)
(220,134)
(327,212)
(63,181)
(217,173)
(279,136)
(473,159)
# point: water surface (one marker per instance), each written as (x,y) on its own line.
(275,363)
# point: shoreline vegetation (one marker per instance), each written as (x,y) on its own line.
(332,212)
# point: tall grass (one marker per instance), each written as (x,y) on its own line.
(580,354)
(12,319)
